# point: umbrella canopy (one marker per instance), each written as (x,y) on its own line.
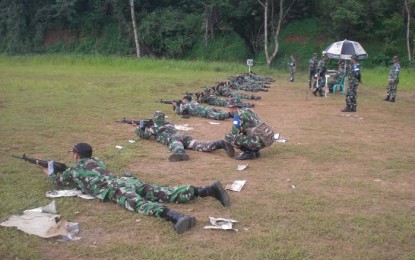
(343,50)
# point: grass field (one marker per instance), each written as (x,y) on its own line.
(342,187)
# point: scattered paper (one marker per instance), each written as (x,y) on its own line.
(118,147)
(68,193)
(131,141)
(43,224)
(214,123)
(221,223)
(242,167)
(279,138)
(184,127)
(236,185)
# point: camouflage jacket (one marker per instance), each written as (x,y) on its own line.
(394,72)
(312,65)
(322,68)
(354,74)
(244,118)
(89,174)
(161,133)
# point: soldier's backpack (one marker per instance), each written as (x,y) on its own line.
(264,132)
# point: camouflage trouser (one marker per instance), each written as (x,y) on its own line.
(242,141)
(236,94)
(215,101)
(216,115)
(351,95)
(391,89)
(311,77)
(143,198)
(178,144)
(319,87)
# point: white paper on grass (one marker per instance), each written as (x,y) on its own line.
(68,193)
(184,127)
(236,185)
(221,223)
(242,167)
(43,224)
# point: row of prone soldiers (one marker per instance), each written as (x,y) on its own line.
(90,174)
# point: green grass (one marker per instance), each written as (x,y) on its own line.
(338,210)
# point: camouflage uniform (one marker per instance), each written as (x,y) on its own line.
(351,95)
(312,69)
(166,133)
(244,118)
(321,74)
(226,91)
(393,80)
(193,108)
(92,177)
(214,100)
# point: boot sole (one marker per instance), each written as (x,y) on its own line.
(223,196)
(184,224)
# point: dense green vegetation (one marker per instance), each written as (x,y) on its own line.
(226,30)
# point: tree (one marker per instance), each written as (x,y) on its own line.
(408,6)
(276,30)
(137,44)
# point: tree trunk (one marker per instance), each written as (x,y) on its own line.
(408,30)
(276,32)
(137,44)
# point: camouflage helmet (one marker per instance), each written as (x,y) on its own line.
(235,102)
(158,117)
(395,58)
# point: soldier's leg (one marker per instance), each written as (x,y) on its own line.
(393,90)
(209,146)
(127,197)
(249,145)
(388,90)
(178,150)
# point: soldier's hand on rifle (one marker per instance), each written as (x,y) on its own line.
(44,170)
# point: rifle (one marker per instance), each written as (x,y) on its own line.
(57,166)
(143,123)
(178,102)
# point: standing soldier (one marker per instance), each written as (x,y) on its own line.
(193,108)
(292,65)
(164,132)
(249,133)
(312,68)
(354,80)
(393,80)
(321,75)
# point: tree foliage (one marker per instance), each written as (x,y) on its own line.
(171,28)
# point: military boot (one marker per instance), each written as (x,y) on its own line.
(392,99)
(246,155)
(353,108)
(346,109)
(215,190)
(178,157)
(222,144)
(257,97)
(386,98)
(181,223)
